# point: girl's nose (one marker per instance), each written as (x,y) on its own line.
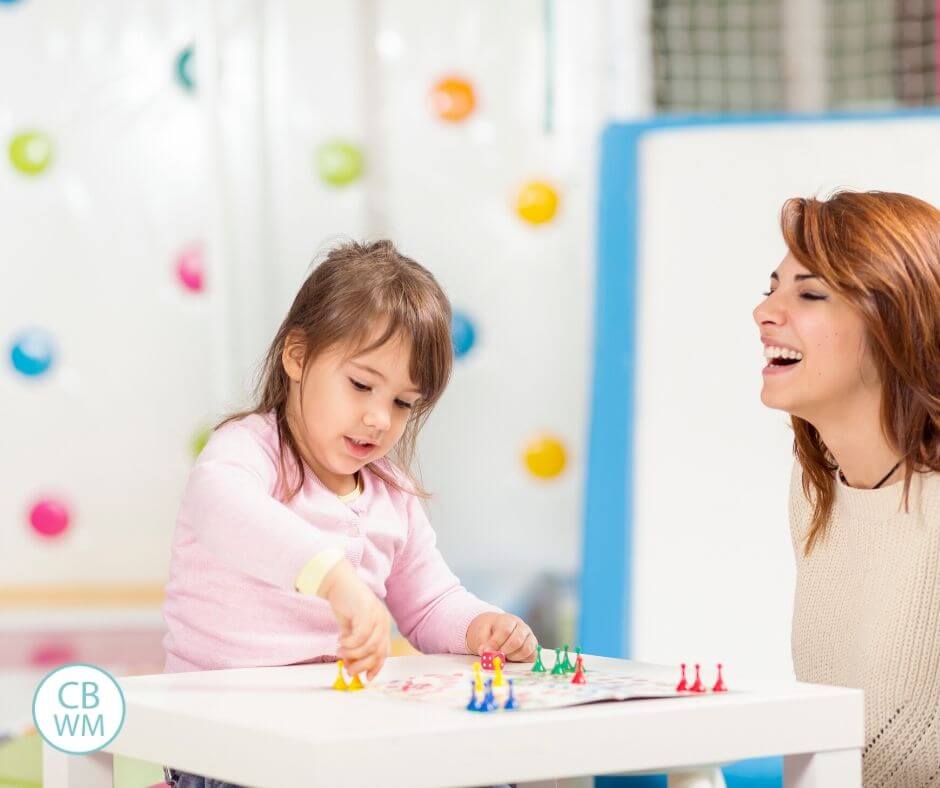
(377,419)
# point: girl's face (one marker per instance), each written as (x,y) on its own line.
(354,407)
(817,361)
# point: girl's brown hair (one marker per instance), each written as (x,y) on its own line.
(357,289)
(881,252)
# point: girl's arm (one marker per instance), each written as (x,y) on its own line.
(229,507)
(427,601)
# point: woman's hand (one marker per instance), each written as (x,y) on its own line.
(501,632)
(364,623)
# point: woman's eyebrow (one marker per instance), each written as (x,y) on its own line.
(797,278)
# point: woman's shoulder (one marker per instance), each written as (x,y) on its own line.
(926,484)
(797,492)
(800,506)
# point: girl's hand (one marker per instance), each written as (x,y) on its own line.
(364,622)
(501,632)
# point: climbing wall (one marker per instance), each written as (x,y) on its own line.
(106,305)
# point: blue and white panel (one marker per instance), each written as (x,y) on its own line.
(687,550)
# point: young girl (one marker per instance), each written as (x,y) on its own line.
(851,334)
(296,531)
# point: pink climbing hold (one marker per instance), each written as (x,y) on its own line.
(190,268)
(49,517)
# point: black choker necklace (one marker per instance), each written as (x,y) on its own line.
(886,476)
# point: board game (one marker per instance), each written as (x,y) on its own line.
(518,687)
(532,691)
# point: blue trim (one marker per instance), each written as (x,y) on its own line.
(606,570)
(606,562)
(661,122)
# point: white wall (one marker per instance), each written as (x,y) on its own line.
(142,167)
(88,250)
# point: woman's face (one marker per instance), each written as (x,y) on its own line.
(816,353)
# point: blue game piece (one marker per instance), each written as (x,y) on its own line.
(473,705)
(489,700)
(511,700)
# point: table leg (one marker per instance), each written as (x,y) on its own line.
(61,770)
(835,769)
(697,778)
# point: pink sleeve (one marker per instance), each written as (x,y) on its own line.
(427,601)
(229,506)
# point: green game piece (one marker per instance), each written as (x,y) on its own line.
(538,667)
(569,668)
(558,669)
(577,652)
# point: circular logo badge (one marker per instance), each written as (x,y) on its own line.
(78,708)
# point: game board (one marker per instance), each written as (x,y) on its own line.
(533,691)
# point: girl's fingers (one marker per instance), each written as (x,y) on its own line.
(359,650)
(503,632)
(373,672)
(376,643)
(371,664)
(515,641)
(359,634)
(525,651)
(365,665)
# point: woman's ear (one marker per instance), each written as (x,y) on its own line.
(292,356)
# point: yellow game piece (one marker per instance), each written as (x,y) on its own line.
(477,677)
(498,667)
(355,684)
(340,683)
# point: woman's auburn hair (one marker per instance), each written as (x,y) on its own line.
(357,290)
(881,252)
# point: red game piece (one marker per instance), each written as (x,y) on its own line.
(697,685)
(486,661)
(579,677)
(683,685)
(720,684)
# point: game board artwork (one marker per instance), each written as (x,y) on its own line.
(532,691)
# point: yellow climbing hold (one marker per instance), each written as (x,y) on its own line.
(545,456)
(537,202)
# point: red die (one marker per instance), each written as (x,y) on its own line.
(487,660)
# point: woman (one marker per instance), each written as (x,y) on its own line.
(851,334)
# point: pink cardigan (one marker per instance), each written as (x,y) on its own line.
(237,551)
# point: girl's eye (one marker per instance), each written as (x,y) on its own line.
(769,293)
(404,405)
(359,386)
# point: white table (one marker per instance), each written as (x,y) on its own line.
(280,727)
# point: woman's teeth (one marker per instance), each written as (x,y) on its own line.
(773,353)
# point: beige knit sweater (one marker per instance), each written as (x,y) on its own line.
(867,615)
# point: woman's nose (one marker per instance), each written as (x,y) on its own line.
(768,311)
